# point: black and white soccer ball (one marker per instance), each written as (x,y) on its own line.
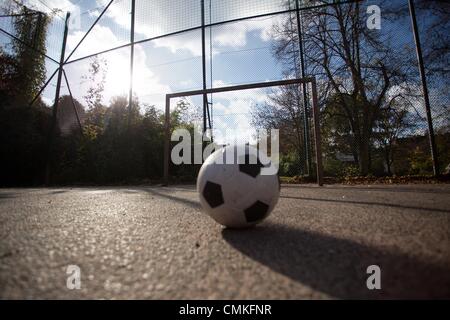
(235,193)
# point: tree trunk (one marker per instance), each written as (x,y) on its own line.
(388,161)
(364,157)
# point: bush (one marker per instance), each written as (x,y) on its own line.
(420,162)
(291,165)
(23,141)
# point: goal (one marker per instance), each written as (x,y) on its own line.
(206,92)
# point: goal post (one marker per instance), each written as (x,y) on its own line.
(260,85)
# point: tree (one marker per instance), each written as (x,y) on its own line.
(96,110)
(388,128)
(8,71)
(284,111)
(96,77)
(354,67)
(31,28)
(437,39)
(24,130)
(433,23)
(23,67)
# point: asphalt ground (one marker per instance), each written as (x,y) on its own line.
(155,243)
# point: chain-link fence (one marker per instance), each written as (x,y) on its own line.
(363,54)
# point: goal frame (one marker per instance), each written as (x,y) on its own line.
(259,85)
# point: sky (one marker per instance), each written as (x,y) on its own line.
(241,52)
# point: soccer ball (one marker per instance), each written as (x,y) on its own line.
(237,195)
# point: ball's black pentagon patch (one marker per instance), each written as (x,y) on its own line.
(213,194)
(252,170)
(257,212)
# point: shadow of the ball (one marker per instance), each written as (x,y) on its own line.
(338,266)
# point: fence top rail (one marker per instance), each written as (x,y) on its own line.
(249,86)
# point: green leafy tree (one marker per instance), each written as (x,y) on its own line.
(31,29)
(388,128)
(24,130)
(96,77)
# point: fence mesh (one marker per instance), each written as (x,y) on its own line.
(372,112)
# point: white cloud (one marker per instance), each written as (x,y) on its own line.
(410,99)
(145,82)
(120,11)
(404,92)
(150,23)
(248,96)
(163,17)
(232,127)
(236,34)
(99,39)
(189,41)
(47,100)
(225,37)
(232,114)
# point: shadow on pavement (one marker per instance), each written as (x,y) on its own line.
(183,201)
(390,205)
(338,266)
(377,188)
(58,192)
(7,195)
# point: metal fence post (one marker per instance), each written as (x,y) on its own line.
(55,104)
(130,97)
(317,135)
(167,142)
(77,115)
(205,96)
(426,97)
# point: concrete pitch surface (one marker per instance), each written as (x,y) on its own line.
(155,243)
